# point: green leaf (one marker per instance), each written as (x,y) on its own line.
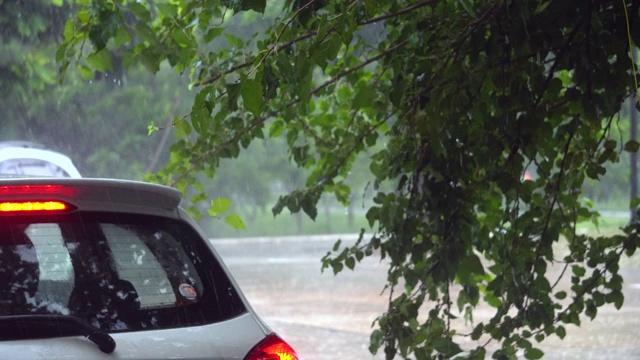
(252,96)
(304,88)
(233,93)
(469,266)
(257,5)
(84,16)
(167,9)
(234,41)
(100,61)
(69,30)
(336,266)
(145,33)
(122,37)
(328,50)
(610,144)
(477,332)
(85,72)
(150,60)
(364,97)
(561,295)
(373,215)
(492,300)
(199,118)
(533,354)
(578,270)
(140,11)
(594,171)
(309,207)
(213,33)
(631,146)
(467,6)
(279,206)
(617,298)
(276,128)
(446,346)
(350,262)
(244,5)
(151,128)
(182,38)
(591,310)
(375,340)
(235,221)
(336,245)
(219,206)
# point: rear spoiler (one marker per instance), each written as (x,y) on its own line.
(93,194)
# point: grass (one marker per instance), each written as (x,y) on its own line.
(337,222)
(606,226)
(285,224)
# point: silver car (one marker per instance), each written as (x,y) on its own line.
(112,269)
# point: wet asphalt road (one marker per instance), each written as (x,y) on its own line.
(329,317)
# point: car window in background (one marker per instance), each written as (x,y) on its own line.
(32,167)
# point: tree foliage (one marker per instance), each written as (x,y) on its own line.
(94,121)
(459,98)
(27,33)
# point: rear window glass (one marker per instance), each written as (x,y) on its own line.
(120,272)
(33,167)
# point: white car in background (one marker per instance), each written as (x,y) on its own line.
(26,158)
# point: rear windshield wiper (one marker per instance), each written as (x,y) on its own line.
(46,325)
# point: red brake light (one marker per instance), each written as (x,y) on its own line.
(272,348)
(22,206)
(36,189)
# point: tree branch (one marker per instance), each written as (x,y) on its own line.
(198,161)
(360,66)
(558,57)
(401,12)
(310,34)
(248,63)
(284,28)
(165,136)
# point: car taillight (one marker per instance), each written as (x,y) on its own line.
(25,206)
(272,348)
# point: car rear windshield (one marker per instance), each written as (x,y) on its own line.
(34,167)
(119,272)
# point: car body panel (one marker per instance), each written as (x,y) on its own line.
(185,217)
(218,341)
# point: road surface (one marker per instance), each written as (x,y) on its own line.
(329,317)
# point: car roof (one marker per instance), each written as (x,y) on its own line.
(62,161)
(89,194)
